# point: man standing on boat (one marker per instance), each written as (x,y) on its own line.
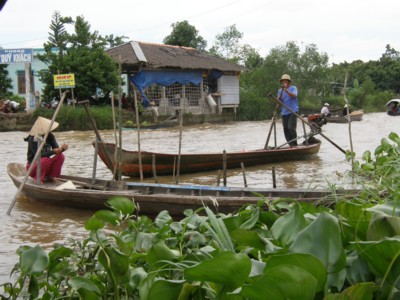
(288,95)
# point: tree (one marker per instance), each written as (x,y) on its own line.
(114,41)
(309,71)
(227,44)
(80,53)
(5,81)
(184,34)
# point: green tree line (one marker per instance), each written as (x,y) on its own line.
(81,51)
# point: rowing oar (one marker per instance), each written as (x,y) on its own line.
(38,153)
(298,116)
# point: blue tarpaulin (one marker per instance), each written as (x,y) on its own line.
(145,79)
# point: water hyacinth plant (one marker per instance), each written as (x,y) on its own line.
(292,250)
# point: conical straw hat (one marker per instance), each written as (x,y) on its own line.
(41,126)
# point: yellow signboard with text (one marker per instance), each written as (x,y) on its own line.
(64,81)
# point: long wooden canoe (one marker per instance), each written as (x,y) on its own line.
(199,162)
(355,116)
(152,198)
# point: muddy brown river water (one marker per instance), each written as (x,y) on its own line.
(32,223)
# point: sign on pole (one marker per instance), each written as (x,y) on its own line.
(13,56)
(64,81)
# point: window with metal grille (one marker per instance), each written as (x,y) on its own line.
(174,93)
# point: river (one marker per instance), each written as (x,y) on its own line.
(32,223)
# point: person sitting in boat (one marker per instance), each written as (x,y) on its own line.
(344,112)
(52,157)
(325,110)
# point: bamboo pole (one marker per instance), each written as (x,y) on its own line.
(138,134)
(224,166)
(38,153)
(180,147)
(219,177)
(96,151)
(349,119)
(273,178)
(244,174)
(120,119)
(153,162)
(115,166)
(273,125)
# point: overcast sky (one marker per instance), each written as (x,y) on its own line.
(344,29)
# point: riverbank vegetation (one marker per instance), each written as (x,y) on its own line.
(283,249)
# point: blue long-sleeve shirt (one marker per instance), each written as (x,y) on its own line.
(291,102)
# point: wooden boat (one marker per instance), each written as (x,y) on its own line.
(355,116)
(198,162)
(393,107)
(150,199)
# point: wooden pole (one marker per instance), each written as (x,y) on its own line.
(120,120)
(138,133)
(224,166)
(174,170)
(219,177)
(116,165)
(96,151)
(273,121)
(349,120)
(38,153)
(153,162)
(273,178)
(305,133)
(180,147)
(302,119)
(244,174)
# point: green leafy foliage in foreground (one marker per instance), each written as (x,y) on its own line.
(292,251)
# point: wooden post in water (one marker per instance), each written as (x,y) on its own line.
(273,178)
(180,147)
(153,162)
(138,134)
(116,160)
(96,151)
(224,165)
(173,171)
(244,174)
(219,177)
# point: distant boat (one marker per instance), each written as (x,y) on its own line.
(159,125)
(152,198)
(355,116)
(199,162)
(393,107)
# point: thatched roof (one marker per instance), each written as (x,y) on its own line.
(135,56)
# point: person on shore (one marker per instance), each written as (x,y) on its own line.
(52,157)
(288,95)
(325,110)
(154,111)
